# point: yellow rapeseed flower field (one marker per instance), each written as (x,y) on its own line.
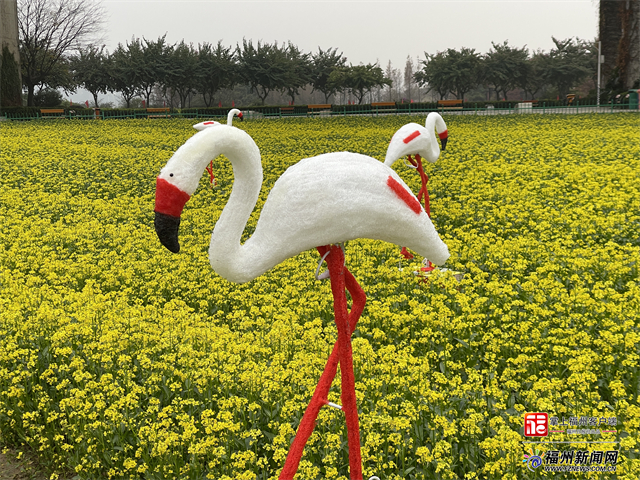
(120,360)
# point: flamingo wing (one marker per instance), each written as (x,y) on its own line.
(338,197)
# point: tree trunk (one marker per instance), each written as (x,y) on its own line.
(263,96)
(30,94)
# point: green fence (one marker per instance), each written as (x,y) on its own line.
(256,112)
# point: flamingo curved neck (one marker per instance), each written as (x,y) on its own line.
(231,114)
(230,259)
(434,122)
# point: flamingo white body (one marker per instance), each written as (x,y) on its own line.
(406,142)
(212,123)
(330,198)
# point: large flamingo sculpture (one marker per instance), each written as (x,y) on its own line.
(319,202)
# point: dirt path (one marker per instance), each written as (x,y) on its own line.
(12,468)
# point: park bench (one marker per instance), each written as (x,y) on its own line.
(534,103)
(526,105)
(450,104)
(383,106)
(286,110)
(162,112)
(52,113)
(318,108)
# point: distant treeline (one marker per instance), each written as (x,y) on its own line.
(142,67)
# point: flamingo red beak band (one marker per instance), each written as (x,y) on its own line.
(443,139)
(170,201)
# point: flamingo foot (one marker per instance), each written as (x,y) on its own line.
(319,399)
(406,253)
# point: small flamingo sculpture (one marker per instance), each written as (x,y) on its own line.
(210,123)
(319,202)
(401,145)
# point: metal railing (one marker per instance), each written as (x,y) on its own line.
(344,110)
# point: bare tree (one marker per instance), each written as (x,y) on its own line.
(49,30)
(396,79)
(409,82)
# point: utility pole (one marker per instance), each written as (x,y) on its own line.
(600,61)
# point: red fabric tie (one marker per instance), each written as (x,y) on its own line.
(212,177)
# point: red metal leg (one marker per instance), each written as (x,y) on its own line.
(321,392)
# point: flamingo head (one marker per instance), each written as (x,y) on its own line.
(441,128)
(178,180)
(170,201)
(230,115)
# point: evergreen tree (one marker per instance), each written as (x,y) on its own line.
(217,69)
(505,67)
(90,69)
(263,67)
(324,63)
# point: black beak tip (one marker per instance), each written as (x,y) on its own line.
(167,230)
(444,143)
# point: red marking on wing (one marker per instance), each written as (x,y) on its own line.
(444,134)
(170,199)
(412,136)
(209,123)
(404,195)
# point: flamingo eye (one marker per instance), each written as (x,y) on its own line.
(171,174)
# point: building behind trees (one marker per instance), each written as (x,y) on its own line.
(620,37)
(10,79)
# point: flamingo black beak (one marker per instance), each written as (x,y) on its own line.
(444,136)
(167,230)
(170,201)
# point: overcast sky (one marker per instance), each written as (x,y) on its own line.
(365,31)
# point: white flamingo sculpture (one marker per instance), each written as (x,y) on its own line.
(412,136)
(320,201)
(210,123)
(405,141)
